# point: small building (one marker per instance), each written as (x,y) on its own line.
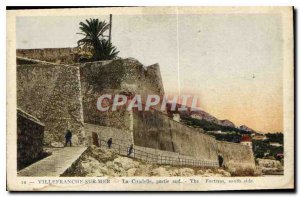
(176,117)
(246,140)
(279,155)
(217,132)
(259,137)
(30,135)
(276,144)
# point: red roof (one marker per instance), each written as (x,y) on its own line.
(246,138)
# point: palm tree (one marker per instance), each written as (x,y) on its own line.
(93,31)
(107,50)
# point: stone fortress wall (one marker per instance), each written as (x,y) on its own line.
(127,77)
(166,134)
(57,93)
(235,154)
(52,93)
(30,135)
(119,136)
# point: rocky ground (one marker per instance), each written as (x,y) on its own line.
(98,162)
(270,167)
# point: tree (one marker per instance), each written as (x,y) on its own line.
(95,41)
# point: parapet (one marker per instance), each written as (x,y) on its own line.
(56,55)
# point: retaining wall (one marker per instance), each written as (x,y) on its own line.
(163,133)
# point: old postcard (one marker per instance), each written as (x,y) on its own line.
(150,99)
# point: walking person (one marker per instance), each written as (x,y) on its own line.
(130,150)
(109,142)
(68,137)
(220,158)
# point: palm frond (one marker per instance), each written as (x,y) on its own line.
(93,31)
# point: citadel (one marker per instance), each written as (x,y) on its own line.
(54,95)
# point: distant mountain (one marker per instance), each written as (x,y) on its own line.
(226,123)
(202,115)
(245,128)
(195,113)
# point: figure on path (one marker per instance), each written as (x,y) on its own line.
(220,158)
(109,142)
(130,150)
(68,137)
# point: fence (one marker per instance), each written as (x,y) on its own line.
(158,159)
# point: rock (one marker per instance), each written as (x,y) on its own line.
(120,173)
(174,172)
(136,164)
(90,166)
(226,174)
(160,171)
(101,154)
(116,167)
(99,162)
(124,162)
(143,170)
(95,174)
(200,172)
(110,165)
(57,144)
(111,173)
(208,174)
(223,172)
(268,163)
(186,172)
(131,172)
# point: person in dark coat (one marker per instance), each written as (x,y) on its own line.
(109,142)
(130,150)
(68,137)
(220,158)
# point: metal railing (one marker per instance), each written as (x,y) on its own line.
(157,158)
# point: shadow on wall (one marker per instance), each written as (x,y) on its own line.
(30,134)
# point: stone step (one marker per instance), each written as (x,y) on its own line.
(54,165)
